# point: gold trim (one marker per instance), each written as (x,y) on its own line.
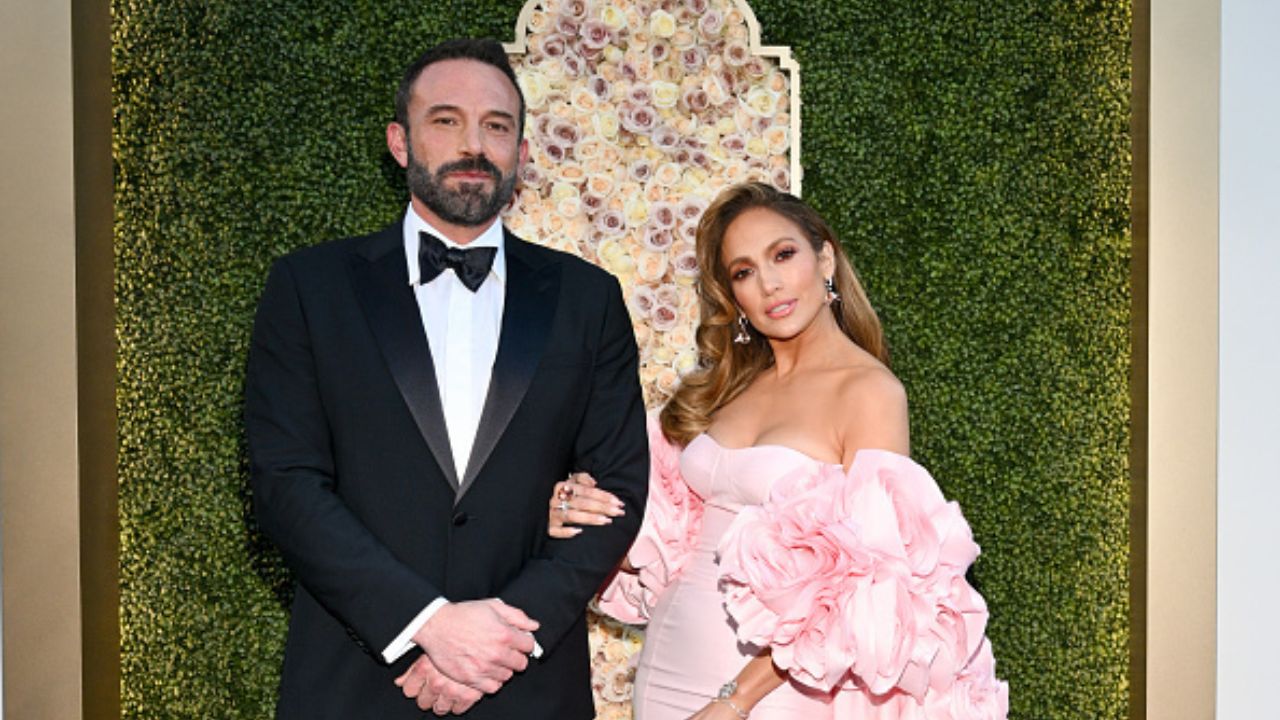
(96,361)
(1139,124)
(1182,358)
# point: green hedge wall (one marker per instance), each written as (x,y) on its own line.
(973,155)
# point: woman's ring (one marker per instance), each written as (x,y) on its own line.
(563,506)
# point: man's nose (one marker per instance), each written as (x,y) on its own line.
(471,143)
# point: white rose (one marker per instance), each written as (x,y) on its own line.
(535,86)
(717,93)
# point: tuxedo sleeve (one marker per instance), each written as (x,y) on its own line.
(331,552)
(612,445)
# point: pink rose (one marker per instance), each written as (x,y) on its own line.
(595,34)
(664,317)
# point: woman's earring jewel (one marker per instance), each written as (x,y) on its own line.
(742,337)
(832,295)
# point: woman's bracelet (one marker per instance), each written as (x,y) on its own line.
(726,691)
(732,707)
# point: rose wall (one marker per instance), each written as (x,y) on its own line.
(974,158)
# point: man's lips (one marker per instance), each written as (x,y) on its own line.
(471,175)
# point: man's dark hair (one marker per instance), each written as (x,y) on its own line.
(485,50)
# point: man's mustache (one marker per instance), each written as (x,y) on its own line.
(479,163)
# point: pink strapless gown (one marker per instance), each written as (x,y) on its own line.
(690,649)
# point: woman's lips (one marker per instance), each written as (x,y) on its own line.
(780,310)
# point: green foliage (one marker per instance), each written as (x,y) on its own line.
(973,155)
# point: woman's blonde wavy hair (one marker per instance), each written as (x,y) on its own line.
(726,368)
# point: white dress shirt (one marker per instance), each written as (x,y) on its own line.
(462,329)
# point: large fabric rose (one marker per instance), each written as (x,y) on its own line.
(856,580)
(668,534)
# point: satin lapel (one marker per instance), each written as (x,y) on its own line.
(381,283)
(533,289)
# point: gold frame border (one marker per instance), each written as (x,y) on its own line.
(57,414)
(1177,56)
(520,45)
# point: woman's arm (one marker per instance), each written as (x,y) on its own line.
(758,678)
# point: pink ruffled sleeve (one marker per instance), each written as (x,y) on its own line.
(668,534)
(856,581)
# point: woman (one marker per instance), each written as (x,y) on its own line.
(794,562)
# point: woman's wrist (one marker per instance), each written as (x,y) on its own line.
(726,697)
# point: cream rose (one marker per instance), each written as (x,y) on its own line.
(667,381)
(667,174)
(606,122)
(636,210)
(685,362)
(662,24)
(651,266)
(665,94)
(613,17)
(777,139)
(759,101)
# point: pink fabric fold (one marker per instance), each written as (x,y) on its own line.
(856,581)
(668,534)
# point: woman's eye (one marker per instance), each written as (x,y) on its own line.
(786,253)
(740,273)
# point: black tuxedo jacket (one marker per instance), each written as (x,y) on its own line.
(353,476)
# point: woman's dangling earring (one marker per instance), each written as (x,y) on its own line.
(742,337)
(832,295)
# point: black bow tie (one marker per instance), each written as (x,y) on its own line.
(471,265)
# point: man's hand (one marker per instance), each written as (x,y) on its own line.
(480,643)
(424,683)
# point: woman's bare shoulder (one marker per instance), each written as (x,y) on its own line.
(871,410)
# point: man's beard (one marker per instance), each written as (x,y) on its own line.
(468,205)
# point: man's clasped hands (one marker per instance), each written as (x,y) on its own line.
(470,649)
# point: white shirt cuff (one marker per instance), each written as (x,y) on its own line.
(403,642)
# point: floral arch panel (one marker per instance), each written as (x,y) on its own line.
(639,113)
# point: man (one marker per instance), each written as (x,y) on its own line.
(412,397)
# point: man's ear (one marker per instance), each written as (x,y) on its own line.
(398,142)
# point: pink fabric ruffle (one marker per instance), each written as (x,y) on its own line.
(856,582)
(668,534)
